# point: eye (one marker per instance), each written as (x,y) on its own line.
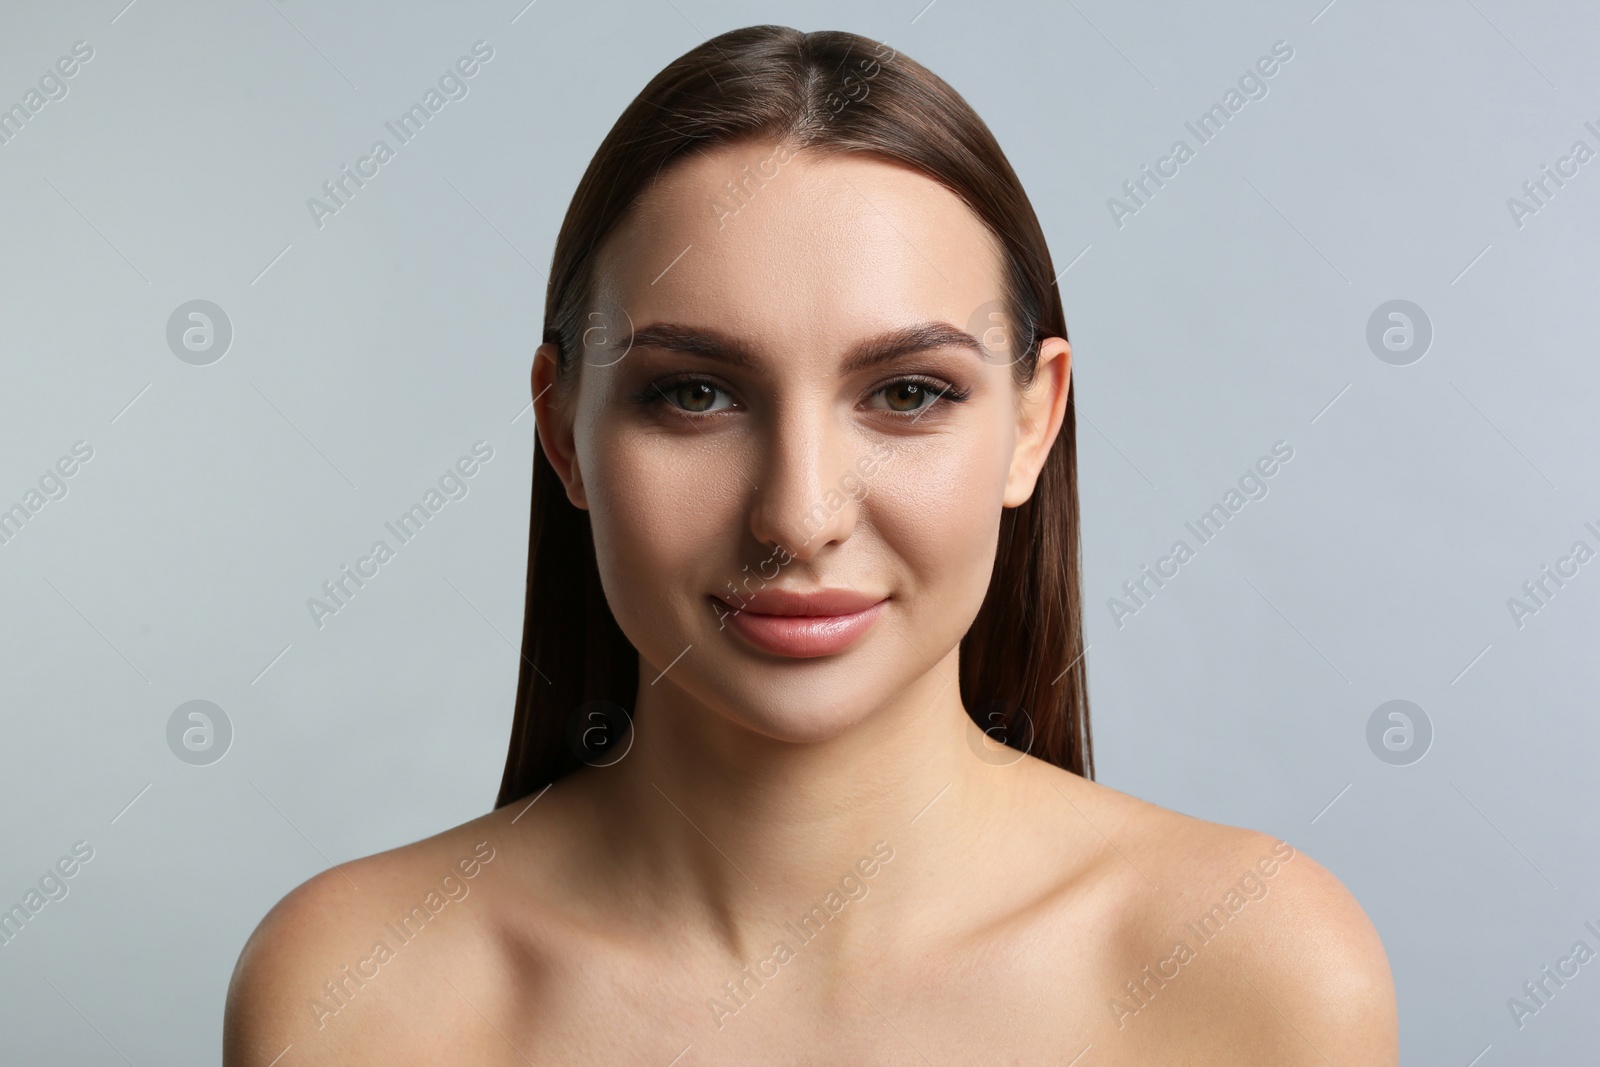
(909,396)
(693,396)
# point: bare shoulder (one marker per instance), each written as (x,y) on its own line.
(1234,941)
(354,964)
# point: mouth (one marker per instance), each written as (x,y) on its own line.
(802,626)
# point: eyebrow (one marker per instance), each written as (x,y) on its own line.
(713,344)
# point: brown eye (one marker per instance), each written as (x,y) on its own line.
(695,396)
(906,396)
(916,396)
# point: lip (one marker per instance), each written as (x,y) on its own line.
(803,625)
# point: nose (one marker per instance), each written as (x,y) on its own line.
(808,492)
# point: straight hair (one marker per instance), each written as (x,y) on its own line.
(1022,676)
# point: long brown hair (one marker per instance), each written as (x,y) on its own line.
(1022,670)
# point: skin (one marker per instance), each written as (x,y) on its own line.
(1017,899)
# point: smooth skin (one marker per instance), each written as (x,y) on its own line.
(984,907)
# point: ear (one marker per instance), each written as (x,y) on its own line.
(554,426)
(1042,407)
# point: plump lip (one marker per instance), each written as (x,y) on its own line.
(802,625)
(818,602)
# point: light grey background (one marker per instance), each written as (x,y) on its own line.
(368,354)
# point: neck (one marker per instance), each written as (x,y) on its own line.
(752,832)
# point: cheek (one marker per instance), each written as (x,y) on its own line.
(658,511)
(938,507)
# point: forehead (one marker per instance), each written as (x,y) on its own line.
(808,252)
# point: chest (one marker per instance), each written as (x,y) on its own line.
(798,1009)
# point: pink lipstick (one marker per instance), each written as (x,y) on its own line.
(803,625)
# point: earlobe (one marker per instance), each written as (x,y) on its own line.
(1040,411)
(575,493)
(553,426)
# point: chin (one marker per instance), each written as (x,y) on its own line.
(802,710)
(799,725)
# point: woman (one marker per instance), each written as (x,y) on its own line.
(800,769)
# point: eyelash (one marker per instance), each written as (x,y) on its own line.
(656,393)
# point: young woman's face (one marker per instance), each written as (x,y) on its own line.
(779,395)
